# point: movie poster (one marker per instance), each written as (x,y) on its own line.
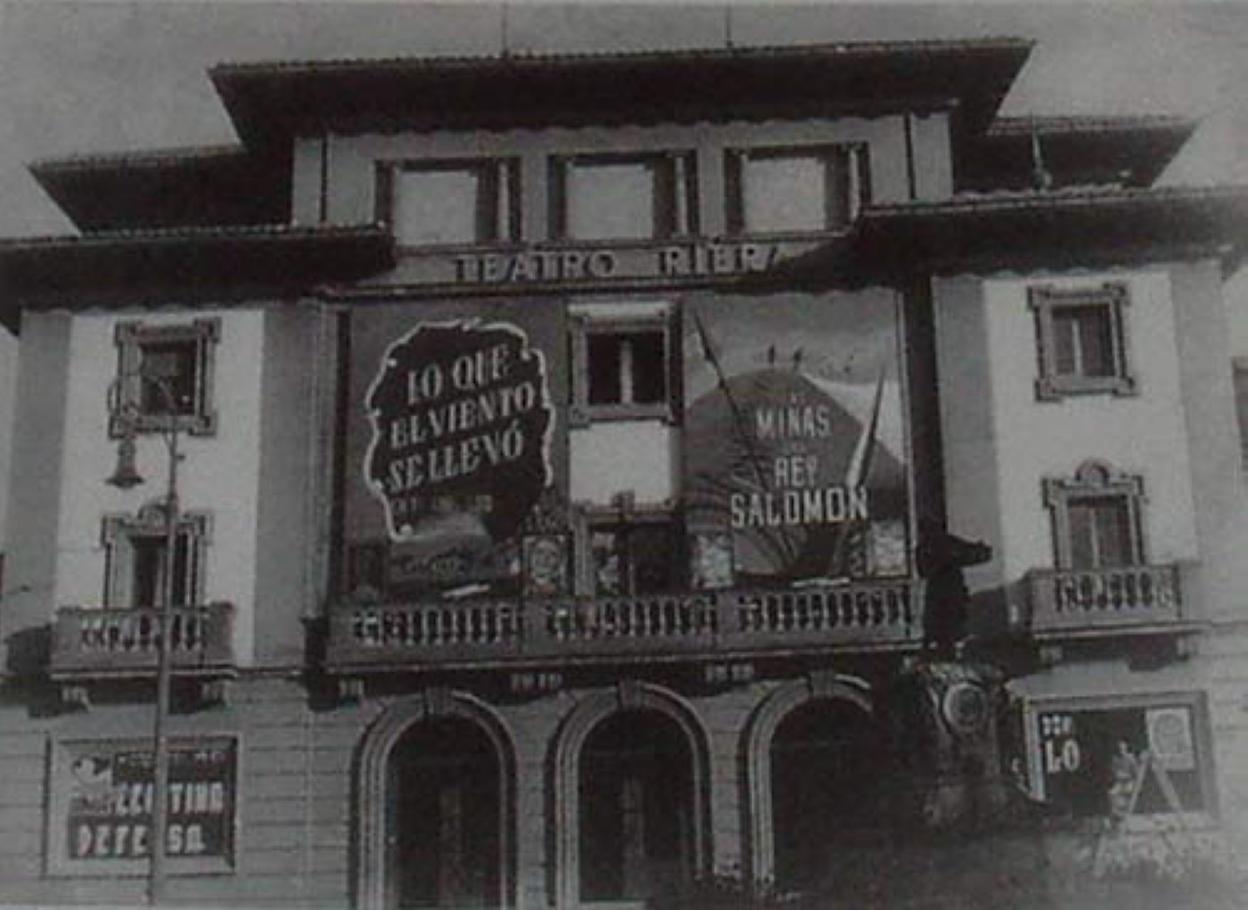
(795,452)
(453,445)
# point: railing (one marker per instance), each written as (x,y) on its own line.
(90,641)
(1120,597)
(885,614)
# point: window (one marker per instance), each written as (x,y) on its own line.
(796,189)
(1135,756)
(165,374)
(1081,342)
(622,362)
(1096,518)
(626,549)
(623,197)
(1239,377)
(450,202)
(135,550)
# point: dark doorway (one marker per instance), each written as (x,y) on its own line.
(445,826)
(828,771)
(636,808)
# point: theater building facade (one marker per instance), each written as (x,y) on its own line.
(597,473)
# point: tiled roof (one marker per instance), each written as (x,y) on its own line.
(1089,123)
(135,159)
(193,234)
(787,51)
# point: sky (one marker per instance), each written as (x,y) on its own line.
(80,77)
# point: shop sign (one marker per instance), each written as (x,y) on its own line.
(106,795)
(461,427)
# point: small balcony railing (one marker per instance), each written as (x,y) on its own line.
(1102,600)
(868,615)
(95,642)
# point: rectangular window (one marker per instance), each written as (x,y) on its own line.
(1096,517)
(1128,758)
(622,362)
(631,552)
(450,202)
(164,373)
(1081,343)
(796,189)
(1239,377)
(623,197)
(136,560)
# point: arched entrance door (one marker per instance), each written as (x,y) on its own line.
(637,805)
(828,774)
(444,817)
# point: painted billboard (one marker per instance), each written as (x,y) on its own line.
(795,453)
(451,446)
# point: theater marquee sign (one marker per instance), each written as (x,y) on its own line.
(102,797)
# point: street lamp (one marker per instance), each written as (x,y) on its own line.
(124,413)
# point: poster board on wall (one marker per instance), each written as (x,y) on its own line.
(796,462)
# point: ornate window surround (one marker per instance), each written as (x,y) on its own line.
(130,338)
(1094,479)
(119,529)
(1113,297)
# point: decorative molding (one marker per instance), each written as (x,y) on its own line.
(1052,385)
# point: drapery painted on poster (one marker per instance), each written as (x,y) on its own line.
(454,449)
(795,454)
(109,801)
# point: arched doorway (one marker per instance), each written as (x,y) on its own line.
(647,734)
(435,806)
(828,774)
(444,838)
(636,822)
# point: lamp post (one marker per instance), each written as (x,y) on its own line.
(124,412)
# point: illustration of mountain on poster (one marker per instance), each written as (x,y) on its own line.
(795,448)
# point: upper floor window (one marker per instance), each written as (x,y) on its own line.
(797,188)
(623,196)
(451,201)
(136,562)
(1082,340)
(165,372)
(1096,518)
(622,361)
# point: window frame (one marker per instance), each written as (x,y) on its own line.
(117,533)
(1195,702)
(679,213)
(1111,296)
(506,191)
(858,160)
(625,513)
(1095,479)
(130,338)
(585,321)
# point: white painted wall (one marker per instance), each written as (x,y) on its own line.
(1142,434)
(219,474)
(638,456)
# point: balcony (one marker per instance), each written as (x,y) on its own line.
(732,623)
(1096,602)
(95,643)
